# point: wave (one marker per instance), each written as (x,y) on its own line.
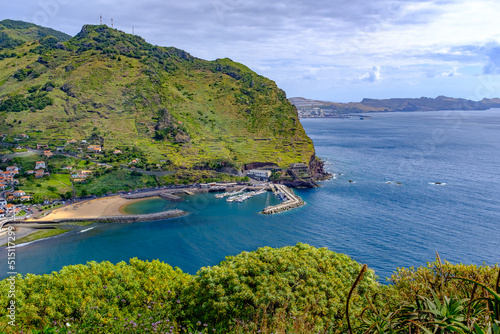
(88,229)
(27,243)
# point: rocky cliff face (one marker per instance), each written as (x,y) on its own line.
(316,166)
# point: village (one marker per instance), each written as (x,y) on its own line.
(50,177)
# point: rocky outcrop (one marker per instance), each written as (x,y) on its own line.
(316,166)
(301,183)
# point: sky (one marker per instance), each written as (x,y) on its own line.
(332,50)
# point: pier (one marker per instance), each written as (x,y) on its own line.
(170,197)
(293,201)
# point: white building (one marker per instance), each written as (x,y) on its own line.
(263,174)
(40,165)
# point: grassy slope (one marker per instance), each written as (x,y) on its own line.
(28,32)
(229,112)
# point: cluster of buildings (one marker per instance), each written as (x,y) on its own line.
(7,209)
(7,177)
(81,176)
(39,170)
(296,170)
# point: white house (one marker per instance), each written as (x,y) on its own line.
(40,165)
(263,174)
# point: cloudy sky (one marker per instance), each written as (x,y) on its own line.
(335,50)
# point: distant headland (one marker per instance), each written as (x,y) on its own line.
(314,108)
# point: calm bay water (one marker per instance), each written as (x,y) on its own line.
(385,225)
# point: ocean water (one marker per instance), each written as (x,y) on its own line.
(373,219)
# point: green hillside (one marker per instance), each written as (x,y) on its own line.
(116,90)
(15,33)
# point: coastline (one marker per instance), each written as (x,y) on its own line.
(112,209)
(106,209)
(95,208)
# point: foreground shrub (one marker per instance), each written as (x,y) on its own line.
(96,294)
(299,289)
(272,285)
(439,298)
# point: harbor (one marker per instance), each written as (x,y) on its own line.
(285,194)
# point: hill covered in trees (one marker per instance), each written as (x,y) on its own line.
(108,88)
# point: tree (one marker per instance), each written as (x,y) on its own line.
(37,198)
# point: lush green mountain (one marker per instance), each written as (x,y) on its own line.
(396,104)
(118,91)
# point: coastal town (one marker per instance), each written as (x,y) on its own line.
(26,182)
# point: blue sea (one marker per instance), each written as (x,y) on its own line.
(373,219)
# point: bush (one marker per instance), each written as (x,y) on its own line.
(35,101)
(95,293)
(256,287)
(261,285)
(299,289)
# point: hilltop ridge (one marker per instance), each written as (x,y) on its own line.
(113,89)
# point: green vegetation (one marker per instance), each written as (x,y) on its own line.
(198,176)
(17,103)
(113,181)
(49,188)
(160,105)
(45,233)
(14,33)
(299,289)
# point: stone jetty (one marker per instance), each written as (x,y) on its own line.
(126,218)
(293,201)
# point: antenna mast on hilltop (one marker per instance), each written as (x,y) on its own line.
(132,30)
(100,22)
(111,23)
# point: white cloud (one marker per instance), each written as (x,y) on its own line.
(452,73)
(373,75)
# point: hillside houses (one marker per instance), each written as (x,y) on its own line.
(6,177)
(40,164)
(94,148)
(19,193)
(12,169)
(81,176)
(8,209)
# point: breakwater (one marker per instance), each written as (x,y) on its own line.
(126,218)
(293,201)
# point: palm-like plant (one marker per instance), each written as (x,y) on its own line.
(475,309)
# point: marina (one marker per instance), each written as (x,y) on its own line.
(286,196)
(230,193)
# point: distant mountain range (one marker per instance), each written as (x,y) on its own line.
(315,108)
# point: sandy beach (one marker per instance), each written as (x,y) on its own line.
(101,207)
